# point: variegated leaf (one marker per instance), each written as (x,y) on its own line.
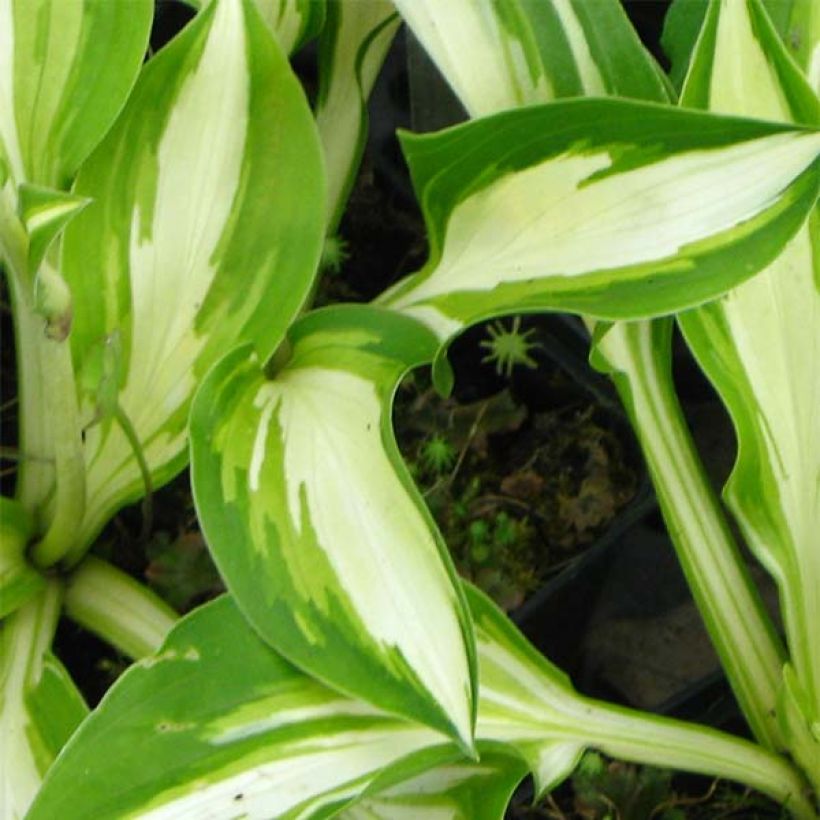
(263,740)
(259,739)
(504,55)
(453,790)
(529,704)
(681,27)
(352,47)
(293,22)
(316,526)
(759,343)
(548,208)
(205,229)
(44,213)
(39,705)
(66,69)
(798,23)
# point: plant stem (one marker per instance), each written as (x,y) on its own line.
(114,606)
(62,409)
(674,744)
(638,356)
(19,581)
(148,499)
(49,399)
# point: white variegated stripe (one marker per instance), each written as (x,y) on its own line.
(439,779)
(727,602)
(513,685)
(774,326)
(24,639)
(46,215)
(197,178)
(442,325)
(339,762)
(173,259)
(551,220)
(813,70)
(482,62)
(430,795)
(588,70)
(376,540)
(8,123)
(285,17)
(509,683)
(356,63)
(741,69)
(270,714)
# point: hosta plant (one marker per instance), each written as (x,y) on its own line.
(162,224)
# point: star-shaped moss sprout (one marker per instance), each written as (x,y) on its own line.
(509,347)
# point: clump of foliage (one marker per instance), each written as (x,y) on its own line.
(162,220)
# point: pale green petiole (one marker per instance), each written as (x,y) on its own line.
(62,409)
(115,607)
(49,362)
(637,355)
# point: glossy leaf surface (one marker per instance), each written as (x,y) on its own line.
(352,47)
(205,230)
(315,523)
(263,740)
(456,789)
(516,53)
(66,69)
(759,343)
(638,357)
(545,208)
(293,22)
(529,704)
(259,740)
